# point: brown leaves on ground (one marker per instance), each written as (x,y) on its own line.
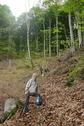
(62,105)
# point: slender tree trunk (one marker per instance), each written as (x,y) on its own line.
(28,45)
(83,38)
(44,37)
(79,36)
(9,42)
(37,47)
(65,32)
(49,37)
(71,31)
(57,44)
(28,26)
(79,29)
(21,43)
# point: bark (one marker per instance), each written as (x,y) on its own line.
(49,37)
(28,44)
(65,32)
(9,48)
(79,36)
(44,37)
(79,29)
(71,30)
(37,46)
(57,44)
(28,26)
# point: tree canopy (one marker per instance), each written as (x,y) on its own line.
(55,25)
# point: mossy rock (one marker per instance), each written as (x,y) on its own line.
(10,109)
(3,117)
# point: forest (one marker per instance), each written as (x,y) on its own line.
(47,39)
(45,31)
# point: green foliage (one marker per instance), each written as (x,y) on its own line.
(76,72)
(39,17)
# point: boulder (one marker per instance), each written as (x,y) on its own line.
(10,107)
(10,104)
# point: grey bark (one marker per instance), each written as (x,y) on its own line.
(49,37)
(57,44)
(37,46)
(79,28)
(28,45)
(9,47)
(44,37)
(28,26)
(71,30)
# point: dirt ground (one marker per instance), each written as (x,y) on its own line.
(62,105)
(12,82)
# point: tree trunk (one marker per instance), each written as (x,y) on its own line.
(57,44)
(71,31)
(65,32)
(28,27)
(28,45)
(79,29)
(37,47)
(79,36)
(44,37)
(49,37)
(9,48)
(83,39)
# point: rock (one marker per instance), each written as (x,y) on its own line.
(10,104)
(10,108)
(3,117)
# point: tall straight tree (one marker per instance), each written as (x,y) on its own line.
(78,7)
(40,19)
(47,5)
(69,8)
(79,28)
(71,29)
(55,8)
(44,38)
(49,37)
(28,26)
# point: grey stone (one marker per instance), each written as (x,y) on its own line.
(10,104)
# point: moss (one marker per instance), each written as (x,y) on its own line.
(76,73)
(81,74)
(4,116)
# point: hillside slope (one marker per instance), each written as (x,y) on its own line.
(63,105)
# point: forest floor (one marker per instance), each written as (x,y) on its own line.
(62,105)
